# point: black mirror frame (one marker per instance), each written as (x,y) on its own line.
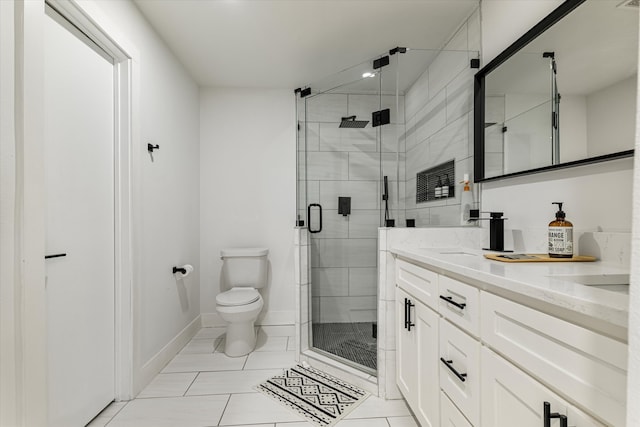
(478,99)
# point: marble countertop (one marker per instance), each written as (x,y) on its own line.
(541,281)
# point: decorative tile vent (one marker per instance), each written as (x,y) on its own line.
(436,183)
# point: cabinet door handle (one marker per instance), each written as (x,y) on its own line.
(448,364)
(406,312)
(548,416)
(450,300)
(409,324)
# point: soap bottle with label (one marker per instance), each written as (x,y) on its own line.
(560,235)
(445,186)
(438,189)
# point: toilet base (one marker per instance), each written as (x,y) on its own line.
(240,339)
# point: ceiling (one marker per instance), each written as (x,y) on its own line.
(292,43)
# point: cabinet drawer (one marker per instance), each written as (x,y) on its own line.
(418,281)
(586,367)
(450,415)
(460,369)
(459,303)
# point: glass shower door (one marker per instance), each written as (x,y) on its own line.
(342,190)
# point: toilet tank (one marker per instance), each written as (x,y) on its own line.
(244,267)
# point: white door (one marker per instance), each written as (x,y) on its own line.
(79,173)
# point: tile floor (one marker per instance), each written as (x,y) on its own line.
(202,387)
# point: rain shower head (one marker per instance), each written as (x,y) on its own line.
(351,122)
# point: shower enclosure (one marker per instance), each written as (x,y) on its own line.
(354,129)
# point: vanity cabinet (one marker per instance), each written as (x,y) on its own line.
(467,357)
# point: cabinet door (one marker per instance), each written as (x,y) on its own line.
(589,368)
(510,398)
(417,358)
(406,351)
(428,409)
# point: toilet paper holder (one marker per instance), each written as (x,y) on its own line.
(184,270)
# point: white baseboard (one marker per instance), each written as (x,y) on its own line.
(271,318)
(151,368)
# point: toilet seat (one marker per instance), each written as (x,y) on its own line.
(237,296)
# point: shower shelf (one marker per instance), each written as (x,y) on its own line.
(427,181)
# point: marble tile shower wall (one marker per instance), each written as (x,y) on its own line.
(439,124)
(346,163)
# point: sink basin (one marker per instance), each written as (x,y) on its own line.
(610,282)
(456,253)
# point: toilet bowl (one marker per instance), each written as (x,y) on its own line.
(244,272)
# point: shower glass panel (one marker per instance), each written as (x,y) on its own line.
(341,159)
(354,178)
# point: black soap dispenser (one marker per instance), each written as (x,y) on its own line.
(560,235)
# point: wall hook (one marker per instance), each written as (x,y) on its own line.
(151,147)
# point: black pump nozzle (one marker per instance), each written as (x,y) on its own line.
(560,214)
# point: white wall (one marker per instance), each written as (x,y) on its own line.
(167,192)
(248,176)
(8,270)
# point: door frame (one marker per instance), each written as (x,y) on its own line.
(32,399)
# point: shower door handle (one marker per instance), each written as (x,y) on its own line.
(309,217)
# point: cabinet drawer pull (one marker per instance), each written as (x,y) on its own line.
(448,364)
(548,416)
(450,300)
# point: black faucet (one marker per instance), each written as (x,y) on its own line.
(496,228)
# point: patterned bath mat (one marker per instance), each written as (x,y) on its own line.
(322,399)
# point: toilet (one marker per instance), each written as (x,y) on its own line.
(244,272)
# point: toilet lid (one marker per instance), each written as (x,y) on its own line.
(237,296)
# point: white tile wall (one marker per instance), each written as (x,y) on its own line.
(334,138)
(329,282)
(343,253)
(364,194)
(364,166)
(363,281)
(364,224)
(327,166)
(334,225)
(447,64)
(452,142)
(432,117)
(348,309)
(460,95)
(392,138)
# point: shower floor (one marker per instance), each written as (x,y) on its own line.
(351,341)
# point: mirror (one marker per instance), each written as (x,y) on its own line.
(562,95)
